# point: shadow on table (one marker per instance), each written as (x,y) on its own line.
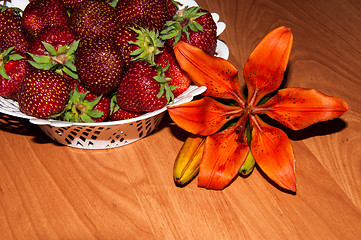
(177,132)
(22,126)
(317,129)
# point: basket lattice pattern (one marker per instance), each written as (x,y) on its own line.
(102,137)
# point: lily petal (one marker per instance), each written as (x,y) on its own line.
(217,74)
(273,153)
(298,108)
(204,116)
(224,154)
(267,63)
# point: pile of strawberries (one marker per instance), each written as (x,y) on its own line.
(97,60)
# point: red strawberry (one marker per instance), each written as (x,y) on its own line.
(123,3)
(71,4)
(99,65)
(43,93)
(194,26)
(14,38)
(13,69)
(117,113)
(146,13)
(10,30)
(121,114)
(137,43)
(76,85)
(84,106)
(9,19)
(140,89)
(172,9)
(41,13)
(179,77)
(94,18)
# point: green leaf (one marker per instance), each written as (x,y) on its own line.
(94,113)
(73,47)
(193,13)
(4,8)
(76,96)
(70,73)
(177,38)
(172,87)
(166,67)
(187,34)
(113,3)
(161,91)
(167,92)
(91,104)
(174,29)
(170,93)
(85,118)
(137,52)
(62,49)
(43,66)
(178,18)
(198,26)
(68,12)
(193,27)
(69,64)
(114,103)
(169,35)
(68,116)
(7,51)
(159,79)
(15,57)
(3,72)
(40,58)
(50,48)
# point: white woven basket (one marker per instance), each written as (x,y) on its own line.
(114,133)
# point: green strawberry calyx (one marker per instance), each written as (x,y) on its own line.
(182,22)
(149,44)
(165,88)
(6,56)
(113,3)
(78,109)
(114,106)
(61,60)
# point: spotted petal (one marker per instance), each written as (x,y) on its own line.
(267,63)
(204,116)
(298,108)
(217,74)
(273,153)
(223,156)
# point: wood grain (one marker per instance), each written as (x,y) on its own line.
(48,191)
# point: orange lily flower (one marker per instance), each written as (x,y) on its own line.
(226,149)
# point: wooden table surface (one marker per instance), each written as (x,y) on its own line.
(49,191)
